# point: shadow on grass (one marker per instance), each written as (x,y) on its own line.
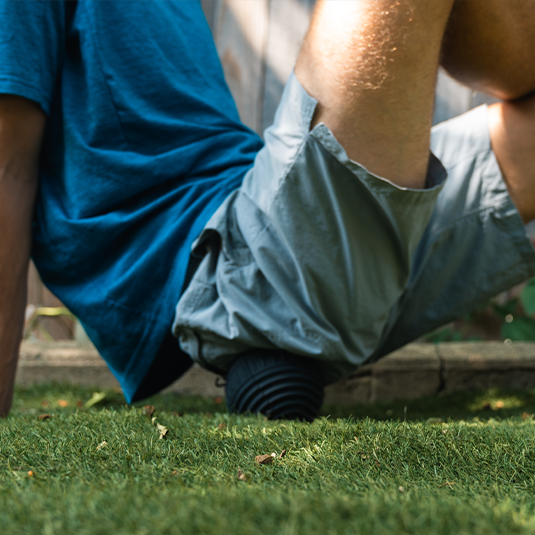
(481,404)
(484,405)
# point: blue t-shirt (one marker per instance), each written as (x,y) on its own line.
(143,143)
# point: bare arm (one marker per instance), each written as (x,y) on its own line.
(21,130)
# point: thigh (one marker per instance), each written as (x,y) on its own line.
(475,245)
(489,45)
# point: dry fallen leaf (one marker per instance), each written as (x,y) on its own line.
(44,403)
(102,445)
(241,475)
(499,404)
(148,410)
(97,397)
(80,403)
(448,485)
(45,416)
(526,415)
(222,426)
(163,430)
(174,473)
(63,403)
(283,453)
(218,400)
(377,462)
(264,459)
(401,489)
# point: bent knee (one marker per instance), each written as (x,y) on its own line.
(500,84)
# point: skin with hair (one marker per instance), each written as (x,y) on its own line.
(21,129)
(372,67)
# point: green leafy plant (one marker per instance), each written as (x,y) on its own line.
(509,320)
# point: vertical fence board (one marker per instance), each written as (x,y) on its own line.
(240,30)
(288,24)
(40,295)
(208,6)
(451,98)
(35,286)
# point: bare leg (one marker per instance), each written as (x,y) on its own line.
(490,45)
(372,66)
(512,135)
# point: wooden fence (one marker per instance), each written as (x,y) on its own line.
(258,42)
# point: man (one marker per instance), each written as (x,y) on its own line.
(305,264)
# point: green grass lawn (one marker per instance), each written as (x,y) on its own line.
(356,470)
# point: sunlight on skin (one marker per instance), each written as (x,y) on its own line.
(360,61)
(369,52)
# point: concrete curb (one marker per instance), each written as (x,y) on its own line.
(414,371)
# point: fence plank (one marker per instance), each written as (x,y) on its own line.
(288,24)
(35,286)
(240,30)
(40,296)
(208,6)
(452,98)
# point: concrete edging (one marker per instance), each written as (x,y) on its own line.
(414,371)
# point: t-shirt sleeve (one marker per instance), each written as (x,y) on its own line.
(32,36)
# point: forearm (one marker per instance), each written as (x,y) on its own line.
(16,206)
(21,127)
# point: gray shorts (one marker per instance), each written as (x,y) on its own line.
(317,256)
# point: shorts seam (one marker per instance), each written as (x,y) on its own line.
(471,156)
(383,186)
(468,214)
